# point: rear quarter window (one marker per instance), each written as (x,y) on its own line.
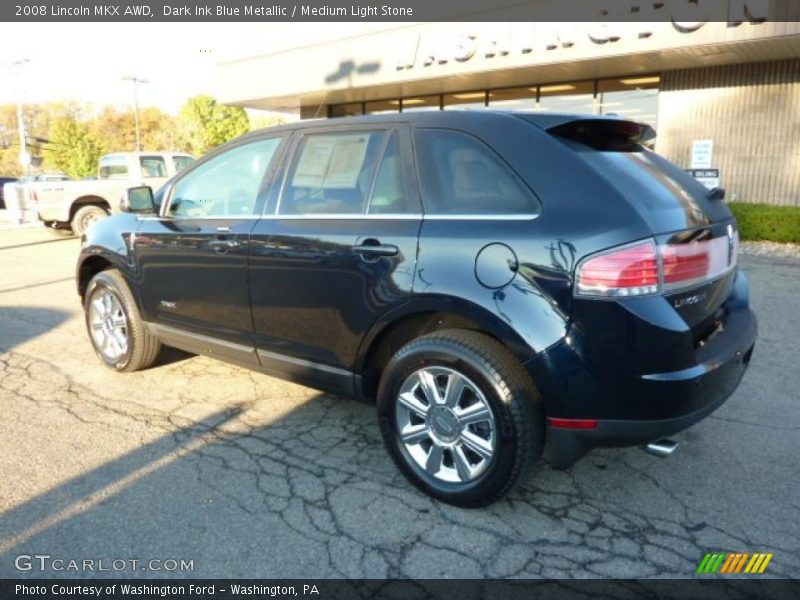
(461,175)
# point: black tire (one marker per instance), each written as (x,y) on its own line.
(142,348)
(506,388)
(85,216)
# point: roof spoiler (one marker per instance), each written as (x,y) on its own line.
(603,133)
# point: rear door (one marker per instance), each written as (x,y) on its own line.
(193,258)
(336,253)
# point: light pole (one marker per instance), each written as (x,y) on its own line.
(24,157)
(136,81)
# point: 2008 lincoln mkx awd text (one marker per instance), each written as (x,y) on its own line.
(493,281)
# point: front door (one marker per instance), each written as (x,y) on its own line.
(337,252)
(193,257)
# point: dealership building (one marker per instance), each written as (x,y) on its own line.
(722,95)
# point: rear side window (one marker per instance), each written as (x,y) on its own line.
(331,174)
(460,175)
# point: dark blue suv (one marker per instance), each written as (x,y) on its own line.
(493,281)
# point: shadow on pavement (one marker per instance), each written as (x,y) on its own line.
(23,323)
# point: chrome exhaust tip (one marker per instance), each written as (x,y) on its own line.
(661,448)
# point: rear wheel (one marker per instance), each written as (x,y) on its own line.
(86,216)
(116,330)
(460,417)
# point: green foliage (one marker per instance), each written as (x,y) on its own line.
(204,124)
(72,149)
(264,121)
(767,222)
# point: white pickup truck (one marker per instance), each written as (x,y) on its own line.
(72,206)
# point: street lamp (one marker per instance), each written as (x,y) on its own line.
(136,81)
(24,157)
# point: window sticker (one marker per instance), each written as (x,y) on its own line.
(331,162)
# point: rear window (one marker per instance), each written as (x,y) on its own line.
(606,135)
(113,167)
(181,162)
(461,175)
(153,166)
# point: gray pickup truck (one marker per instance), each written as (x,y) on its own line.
(72,206)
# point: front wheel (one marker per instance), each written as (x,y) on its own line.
(460,417)
(116,329)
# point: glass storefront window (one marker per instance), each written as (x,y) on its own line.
(421,103)
(523,98)
(634,98)
(465,101)
(573,97)
(380,107)
(347,110)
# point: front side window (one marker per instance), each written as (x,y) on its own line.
(460,175)
(153,166)
(331,174)
(225,186)
(389,194)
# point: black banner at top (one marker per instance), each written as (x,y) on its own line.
(679,11)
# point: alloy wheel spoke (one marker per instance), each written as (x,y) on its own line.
(104,341)
(98,307)
(474,413)
(120,339)
(454,390)
(118,320)
(414,434)
(434,463)
(463,467)
(107,304)
(477,444)
(428,383)
(412,403)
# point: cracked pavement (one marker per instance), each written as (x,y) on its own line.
(250,476)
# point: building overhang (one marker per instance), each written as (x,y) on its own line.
(440,58)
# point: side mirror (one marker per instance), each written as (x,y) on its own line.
(138,200)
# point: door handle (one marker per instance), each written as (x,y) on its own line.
(374,248)
(222,246)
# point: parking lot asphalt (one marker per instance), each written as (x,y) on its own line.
(248,476)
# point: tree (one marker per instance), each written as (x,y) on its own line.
(116,130)
(204,124)
(72,148)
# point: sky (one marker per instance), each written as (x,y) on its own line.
(86,62)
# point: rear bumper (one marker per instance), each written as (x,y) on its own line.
(566,446)
(635,408)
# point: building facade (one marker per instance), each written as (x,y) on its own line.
(721,94)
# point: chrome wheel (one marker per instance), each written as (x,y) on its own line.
(445,424)
(108,326)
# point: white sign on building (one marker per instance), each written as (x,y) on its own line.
(702,151)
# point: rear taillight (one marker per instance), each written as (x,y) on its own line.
(643,268)
(629,271)
(34,197)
